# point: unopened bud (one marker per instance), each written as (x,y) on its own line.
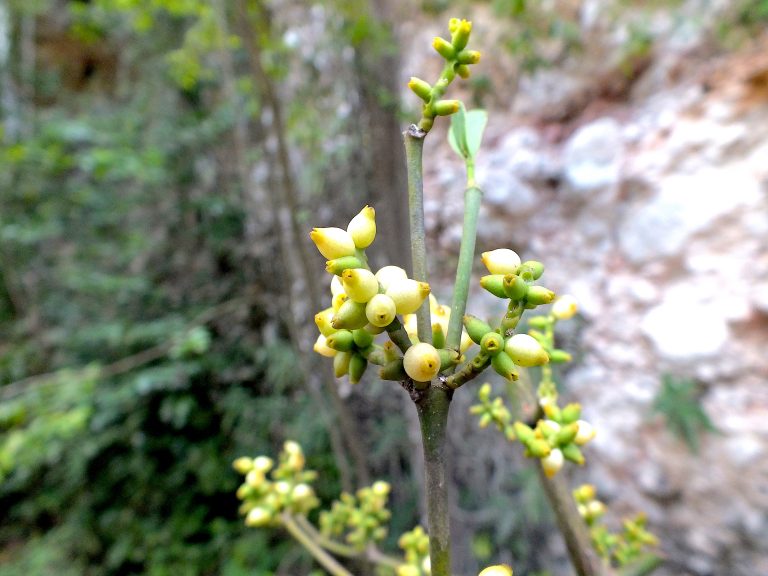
(338,265)
(515,288)
(573,453)
(408,295)
(362,228)
(466,342)
(323,321)
(566,434)
(333,242)
(463,71)
(447,107)
(322,348)
(341,364)
(263,464)
(538,448)
(254,478)
(243,465)
(357,366)
(362,338)
(558,356)
(476,328)
(585,434)
(336,286)
(360,284)
(504,366)
(337,301)
(526,351)
(408,570)
(468,57)
(421,362)
(341,341)
(460,34)
(492,343)
(539,295)
(421,88)
(571,413)
(351,315)
(448,358)
(531,270)
(498,570)
(389,274)
(381,488)
(444,48)
(565,307)
(393,370)
(258,517)
(552,463)
(494,283)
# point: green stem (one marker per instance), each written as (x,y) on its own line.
(414,146)
(469,371)
(326,560)
(433,417)
(398,335)
(472,197)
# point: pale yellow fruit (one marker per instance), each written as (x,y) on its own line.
(421,362)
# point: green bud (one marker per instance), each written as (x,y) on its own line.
(338,265)
(552,411)
(321,347)
(539,295)
(566,434)
(460,34)
(421,88)
(531,270)
(480,361)
(243,465)
(494,283)
(323,321)
(351,315)
(559,356)
(341,364)
(357,366)
(363,339)
(258,517)
(446,107)
(504,366)
(468,57)
(538,448)
(448,358)
(380,310)
(463,71)
(584,493)
(526,351)
(524,433)
(438,336)
(571,413)
(341,341)
(375,355)
(476,328)
(444,48)
(538,322)
(393,370)
(514,287)
(510,320)
(492,343)
(573,453)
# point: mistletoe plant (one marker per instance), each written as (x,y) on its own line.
(425,350)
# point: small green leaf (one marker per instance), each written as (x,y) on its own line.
(475,126)
(457,135)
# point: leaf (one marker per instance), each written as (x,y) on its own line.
(457,135)
(475,126)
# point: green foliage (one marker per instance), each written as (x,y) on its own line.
(679,403)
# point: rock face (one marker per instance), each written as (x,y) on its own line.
(654,214)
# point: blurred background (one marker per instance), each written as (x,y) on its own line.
(162,162)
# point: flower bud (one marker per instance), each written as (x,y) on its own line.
(341,341)
(498,570)
(552,463)
(573,453)
(539,295)
(584,493)
(360,284)
(381,488)
(255,478)
(322,348)
(341,364)
(571,413)
(476,328)
(492,343)
(494,283)
(448,358)
(524,433)
(336,286)
(362,338)
(444,48)
(263,464)
(438,335)
(351,315)
(566,434)
(515,288)
(389,274)
(380,310)
(421,362)
(446,107)
(468,57)
(393,370)
(560,356)
(538,448)
(375,330)
(243,465)
(504,366)
(526,351)
(333,242)
(460,34)
(421,88)
(337,301)
(408,570)
(338,265)
(463,71)
(323,321)
(531,270)
(258,517)
(538,322)
(465,342)
(357,366)
(586,432)
(408,295)
(362,228)
(565,307)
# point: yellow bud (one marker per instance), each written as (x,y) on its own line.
(408,295)
(258,517)
(359,284)
(322,348)
(552,463)
(421,88)
(283,488)
(302,493)
(409,323)
(336,303)
(421,362)
(323,321)
(263,464)
(380,310)
(243,465)
(254,478)
(362,228)
(381,488)
(292,447)
(336,286)
(444,48)
(468,57)
(501,261)
(526,351)
(466,342)
(390,274)
(460,34)
(463,71)
(498,570)
(565,307)
(446,107)
(426,566)
(408,570)
(333,242)
(585,434)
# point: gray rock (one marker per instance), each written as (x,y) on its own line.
(593,156)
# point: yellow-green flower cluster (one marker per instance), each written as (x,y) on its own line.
(620,548)
(498,570)
(513,280)
(269,491)
(458,59)
(415,545)
(359,518)
(441,316)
